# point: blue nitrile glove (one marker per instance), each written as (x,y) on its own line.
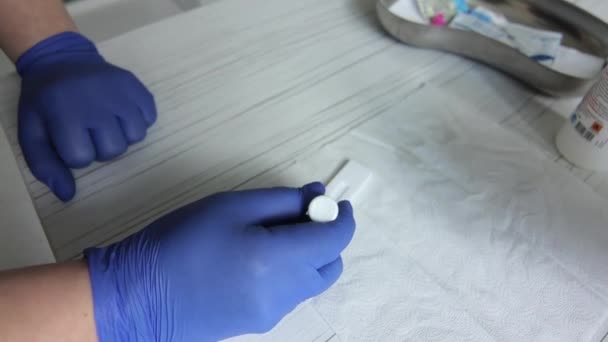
(76,108)
(230,264)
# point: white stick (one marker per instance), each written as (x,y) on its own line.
(349,183)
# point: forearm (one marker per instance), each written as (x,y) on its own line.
(23,23)
(47,303)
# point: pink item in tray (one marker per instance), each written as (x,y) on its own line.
(439,20)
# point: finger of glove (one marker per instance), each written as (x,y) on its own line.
(143,98)
(109,139)
(133,125)
(73,144)
(269,206)
(42,159)
(317,244)
(330,274)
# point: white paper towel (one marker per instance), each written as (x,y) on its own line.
(467,234)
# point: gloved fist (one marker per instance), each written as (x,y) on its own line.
(76,108)
(230,264)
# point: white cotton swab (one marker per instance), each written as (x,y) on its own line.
(348,184)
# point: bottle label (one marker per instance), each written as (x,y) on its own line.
(591,118)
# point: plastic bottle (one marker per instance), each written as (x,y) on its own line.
(584,139)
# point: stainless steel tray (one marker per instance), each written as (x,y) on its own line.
(581,30)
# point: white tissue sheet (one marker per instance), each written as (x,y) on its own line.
(465,233)
(579,64)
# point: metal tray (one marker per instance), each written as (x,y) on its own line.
(581,30)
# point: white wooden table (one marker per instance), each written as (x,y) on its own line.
(277,64)
(245,94)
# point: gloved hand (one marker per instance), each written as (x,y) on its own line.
(76,108)
(230,264)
